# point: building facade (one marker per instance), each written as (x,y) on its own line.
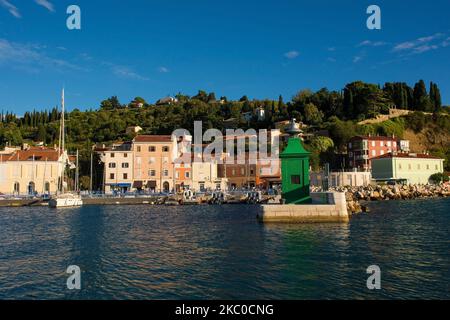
(341,179)
(362,149)
(410,168)
(118,174)
(34,170)
(153,158)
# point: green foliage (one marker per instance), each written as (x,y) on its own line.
(415,121)
(321,144)
(312,114)
(438,178)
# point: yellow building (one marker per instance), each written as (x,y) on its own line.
(153,157)
(30,171)
(411,168)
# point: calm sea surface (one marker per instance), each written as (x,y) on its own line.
(207,252)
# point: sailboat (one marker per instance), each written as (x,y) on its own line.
(63,198)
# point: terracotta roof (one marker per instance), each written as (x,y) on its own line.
(406,155)
(36,153)
(375,138)
(153,138)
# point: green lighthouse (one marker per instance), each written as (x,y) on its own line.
(295,169)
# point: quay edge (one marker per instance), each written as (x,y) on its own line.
(326,207)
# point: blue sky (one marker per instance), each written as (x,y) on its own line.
(260,48)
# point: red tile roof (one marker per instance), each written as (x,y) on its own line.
(406,155)
(153,138)
(375,138)
(36,153)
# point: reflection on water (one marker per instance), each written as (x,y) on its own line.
(201,252)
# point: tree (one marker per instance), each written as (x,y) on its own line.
(321,144)
(438,178)
(110,103)
(312,114)
(421,100)
(41,134)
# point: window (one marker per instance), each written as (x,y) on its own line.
(125,176)
(165,149)
(151,149)
(165,159)
(177,175)
(125,165)
(252,172)
(373,143)
(242,171)
(381,143)
(151,160)
(381,152)
(202,186)
(436,167)
(111,175)
(233,172)
(350,154)
(165,172)
(374,153)
(418,166)
(295,179)
(388,143)
(186,174)
(112,154)
(112,165)
(138,148)
(428,167)
(409,166)
(16,187)
(152,173)
(400,166)
(125,155)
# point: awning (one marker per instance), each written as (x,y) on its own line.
(120,185)
(137,184)
(151,184)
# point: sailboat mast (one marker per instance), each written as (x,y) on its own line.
(63,142)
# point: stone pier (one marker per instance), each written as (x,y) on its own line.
(325,207)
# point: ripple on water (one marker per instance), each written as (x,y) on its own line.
(207,252)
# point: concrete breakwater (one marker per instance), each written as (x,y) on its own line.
(354,195)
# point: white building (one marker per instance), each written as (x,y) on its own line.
(408,167)
(341,178)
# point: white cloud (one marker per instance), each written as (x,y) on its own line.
(46,4)
(30,57)
(127,73)
(331,59)
(422,44)
(357,59)
(292,54)
(331,49)
(163,69)
(368,43)
(11,8)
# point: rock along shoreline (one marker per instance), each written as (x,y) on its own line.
(355,196)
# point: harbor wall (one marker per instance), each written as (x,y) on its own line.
(326,207)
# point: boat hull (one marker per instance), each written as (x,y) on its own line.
(65,202)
